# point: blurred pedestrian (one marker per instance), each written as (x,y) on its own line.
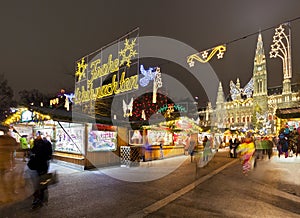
(207,149)
(24,147)
(246,150)
(283,146)
(298,142)
(235,146)
(231,146)
(42,153)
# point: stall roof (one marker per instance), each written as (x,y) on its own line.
(286,113)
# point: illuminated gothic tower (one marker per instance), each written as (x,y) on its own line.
(260,92)
(220,112)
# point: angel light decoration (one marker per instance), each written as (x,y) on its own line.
(127,108)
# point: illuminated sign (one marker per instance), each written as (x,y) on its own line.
(105,74)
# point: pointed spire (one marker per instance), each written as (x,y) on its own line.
(220,95)
(238,84)
(259,53)
(260,69)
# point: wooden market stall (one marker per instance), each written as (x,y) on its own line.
(288,116)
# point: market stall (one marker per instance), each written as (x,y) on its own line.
(169,139)
(288,116)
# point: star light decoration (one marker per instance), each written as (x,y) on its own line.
(281,47)
(80,72)
(128,52)
(205,56)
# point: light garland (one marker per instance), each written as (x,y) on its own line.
(205,56)
(16,117)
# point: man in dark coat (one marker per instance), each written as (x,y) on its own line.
(42,152)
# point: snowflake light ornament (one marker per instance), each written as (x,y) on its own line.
(128,52)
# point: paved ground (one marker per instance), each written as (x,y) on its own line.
(138,191)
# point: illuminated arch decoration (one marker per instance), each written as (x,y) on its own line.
(281,47)
(18,116)
(205,56)
(144,109)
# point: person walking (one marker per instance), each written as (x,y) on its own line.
(283,143)
(235,146)
(24,147)
(207,149)
(247,149)
(42,153)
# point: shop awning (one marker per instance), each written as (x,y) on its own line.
(286,113)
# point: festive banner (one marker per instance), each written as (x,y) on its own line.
(110,71)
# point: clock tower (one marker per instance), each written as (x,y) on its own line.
(260,90)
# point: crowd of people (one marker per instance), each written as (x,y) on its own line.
(252,147)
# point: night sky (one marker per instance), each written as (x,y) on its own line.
(41,40)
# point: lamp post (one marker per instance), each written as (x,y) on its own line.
(281,48)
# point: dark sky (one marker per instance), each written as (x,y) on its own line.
(41,40)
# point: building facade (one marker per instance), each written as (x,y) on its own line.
(255,105)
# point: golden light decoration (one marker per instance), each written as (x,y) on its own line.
(80,72)
(16,117)
(281,48)
(205,56)
(128,52)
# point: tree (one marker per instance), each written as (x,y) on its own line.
(32,97)
(6,98)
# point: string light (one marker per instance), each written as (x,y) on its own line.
(205,56)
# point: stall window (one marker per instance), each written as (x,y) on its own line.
(101,140)
(70,138)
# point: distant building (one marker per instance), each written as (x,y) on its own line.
(255,105)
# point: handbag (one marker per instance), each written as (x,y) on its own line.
(32,163)
(48,179)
